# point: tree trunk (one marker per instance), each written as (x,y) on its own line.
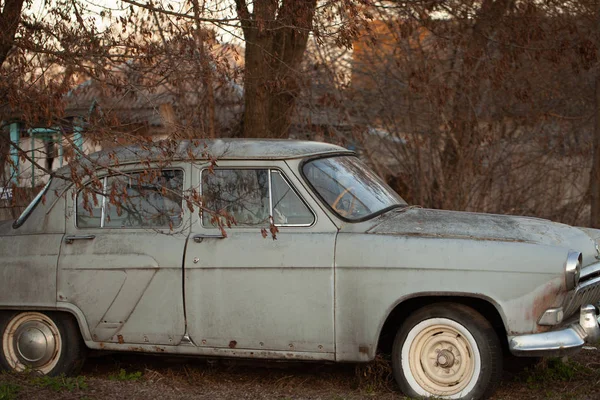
(276,37)
(595,172)
(9,23)
(289,45)
(257,78)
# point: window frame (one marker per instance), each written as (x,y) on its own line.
(270,191)
(104,179)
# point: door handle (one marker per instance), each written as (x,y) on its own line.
(200,237)
(71,238)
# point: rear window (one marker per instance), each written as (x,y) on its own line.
(150,199)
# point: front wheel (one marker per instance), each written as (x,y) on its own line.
(449,351)
(49,343)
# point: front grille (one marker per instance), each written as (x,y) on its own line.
(586,293)
(590,272)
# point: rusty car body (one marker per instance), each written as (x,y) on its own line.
(354,270)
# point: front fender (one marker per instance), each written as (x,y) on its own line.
(521,280)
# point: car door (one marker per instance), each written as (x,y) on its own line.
(29,249)
(121,258)
(248,290)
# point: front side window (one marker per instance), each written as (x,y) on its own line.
(151,199)
(252,197)
(350,188)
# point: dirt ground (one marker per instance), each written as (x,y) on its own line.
(134,376)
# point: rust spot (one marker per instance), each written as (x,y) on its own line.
(363,349)
(232,344)
(101,344)
(550,295)
(158,349)
(120,339)
(133,348)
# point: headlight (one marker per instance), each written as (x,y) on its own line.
(572,269)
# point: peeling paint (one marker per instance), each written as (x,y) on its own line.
(549,296)
(442,224)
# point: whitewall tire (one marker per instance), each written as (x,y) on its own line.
(448,351)
(48,343)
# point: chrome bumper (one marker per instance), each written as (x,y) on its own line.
(562,342)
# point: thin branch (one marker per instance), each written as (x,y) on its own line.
(177,14)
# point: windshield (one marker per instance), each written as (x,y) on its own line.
(350,188)
(31,206)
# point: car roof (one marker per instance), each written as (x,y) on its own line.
(204,149)
(219,149)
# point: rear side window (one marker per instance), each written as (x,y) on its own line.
(252,197)
(151,199)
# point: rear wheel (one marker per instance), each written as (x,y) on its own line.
(49,343)
(447,350)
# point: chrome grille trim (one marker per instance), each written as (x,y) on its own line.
(586,293)
(589,272)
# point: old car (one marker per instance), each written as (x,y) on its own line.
(113,255)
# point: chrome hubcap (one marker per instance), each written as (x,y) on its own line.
(32,340)
(34,343)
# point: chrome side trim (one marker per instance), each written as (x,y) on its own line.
(561,342)
(186,340)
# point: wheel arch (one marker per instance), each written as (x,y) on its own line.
(60,307)
(407,305)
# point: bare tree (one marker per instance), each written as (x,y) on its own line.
(482,106)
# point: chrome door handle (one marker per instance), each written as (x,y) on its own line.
(200,237)
(71,238)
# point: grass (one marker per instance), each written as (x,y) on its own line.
(60,383)
(163,378)
(125,376)
(375,376)
(9,391)
(554,370)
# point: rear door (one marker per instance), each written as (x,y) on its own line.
(248,291)
(121,258)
